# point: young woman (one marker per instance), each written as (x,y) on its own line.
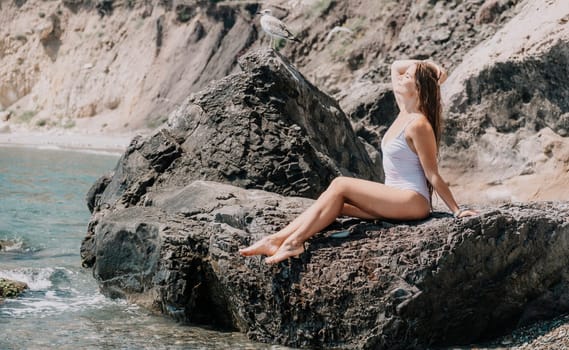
(409,147)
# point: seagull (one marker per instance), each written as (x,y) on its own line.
(275,27)
(337,29)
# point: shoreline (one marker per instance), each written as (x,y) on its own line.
(89,143)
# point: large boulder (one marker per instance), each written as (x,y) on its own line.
(266,128)
(371,107)
(387,286)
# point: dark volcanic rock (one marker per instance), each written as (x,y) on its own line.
(93,196)
(266,128)
(371,107)
(386,286)
(164,241)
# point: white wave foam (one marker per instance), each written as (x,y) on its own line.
(36,279)
(51,304)
(53,291)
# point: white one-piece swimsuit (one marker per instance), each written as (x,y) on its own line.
(402,167)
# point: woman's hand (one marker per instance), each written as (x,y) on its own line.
(464,213)
(441,72)
(442,75)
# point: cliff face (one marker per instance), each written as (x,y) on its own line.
(508,110)
(115,66)
(80,65)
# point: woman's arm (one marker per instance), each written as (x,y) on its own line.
(423,142)
(441,72)
(399,67)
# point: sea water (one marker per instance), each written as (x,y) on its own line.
(43,211)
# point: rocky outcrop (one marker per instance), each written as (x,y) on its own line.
(266,127)
(507,110)
(371,108)
(386,286)
(11,289)
(162,237)
(520,85)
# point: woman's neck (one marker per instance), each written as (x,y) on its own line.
(409,106)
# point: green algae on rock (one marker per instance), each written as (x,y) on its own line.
(11,289)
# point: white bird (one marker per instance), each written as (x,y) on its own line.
(337,29)
(275,27)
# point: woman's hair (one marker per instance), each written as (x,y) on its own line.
(429,91)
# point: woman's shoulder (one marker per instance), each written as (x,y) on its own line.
(420,124)
(419,119)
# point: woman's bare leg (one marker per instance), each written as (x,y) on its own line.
(270,244)
(375,200)
(353,211)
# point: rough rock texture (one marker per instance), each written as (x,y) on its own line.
(11,289)
(387,286)
(508,110)
(371,108)
(169,244)
(266,128)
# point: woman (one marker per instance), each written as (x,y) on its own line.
(409,147)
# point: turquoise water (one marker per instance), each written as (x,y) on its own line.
(43,210)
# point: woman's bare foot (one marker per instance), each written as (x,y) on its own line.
(265,246)
(284,252)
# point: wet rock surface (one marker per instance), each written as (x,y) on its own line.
(5,244)
(11,289)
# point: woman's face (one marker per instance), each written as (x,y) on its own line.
(406,84)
